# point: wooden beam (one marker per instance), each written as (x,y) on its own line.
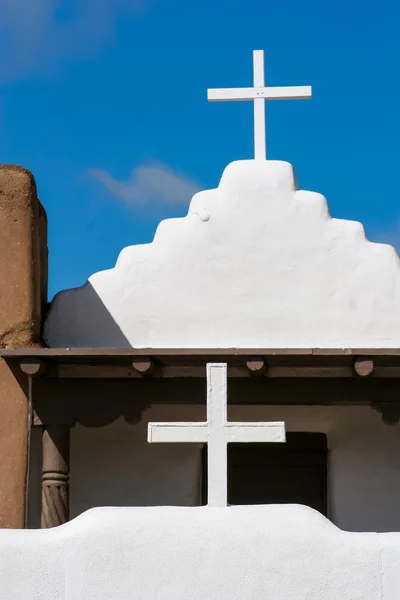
(256,366)
(55,475)
(364,367)
(132,353)
(99,371)
(88,353)
(144,366)
(386,372)
(310,371)
(34,367)
(81,371)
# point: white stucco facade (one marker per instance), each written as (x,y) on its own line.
(115,465)
(256,263)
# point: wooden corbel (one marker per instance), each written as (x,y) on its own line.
(363,366)
(256,366)
(34,367)
(145,366)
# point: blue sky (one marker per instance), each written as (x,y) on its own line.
(105,102)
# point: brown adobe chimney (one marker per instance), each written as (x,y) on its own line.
(23,294)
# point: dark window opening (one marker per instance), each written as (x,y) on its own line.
(291,473)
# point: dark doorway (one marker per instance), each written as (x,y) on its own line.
(290,473)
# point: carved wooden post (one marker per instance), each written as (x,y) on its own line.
(55,475)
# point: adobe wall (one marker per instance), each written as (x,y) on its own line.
(23,292)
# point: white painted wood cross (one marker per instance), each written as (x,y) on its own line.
(217,432)
(259,93)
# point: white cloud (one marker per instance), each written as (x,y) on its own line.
(35,35)
(150,183)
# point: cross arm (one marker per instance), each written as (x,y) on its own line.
(255,432)
(178,432)
(300,92)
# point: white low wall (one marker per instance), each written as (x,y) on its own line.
(235,553)
(116,466)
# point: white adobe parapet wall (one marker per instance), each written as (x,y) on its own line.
(236,553)
(256,263)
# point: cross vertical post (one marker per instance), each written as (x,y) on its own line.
(260,147)
(217,460)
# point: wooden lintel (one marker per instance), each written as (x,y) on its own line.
(310,372)
(77,371)
(99,371)
(35,367)
(60,354)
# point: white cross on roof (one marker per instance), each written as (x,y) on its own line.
(259,93)
(217,432)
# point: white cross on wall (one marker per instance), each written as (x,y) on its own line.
(217,432)
(259,93)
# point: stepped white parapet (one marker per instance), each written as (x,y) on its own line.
(241,552)
(255,263)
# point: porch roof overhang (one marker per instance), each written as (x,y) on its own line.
(190,362)
(94,386)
